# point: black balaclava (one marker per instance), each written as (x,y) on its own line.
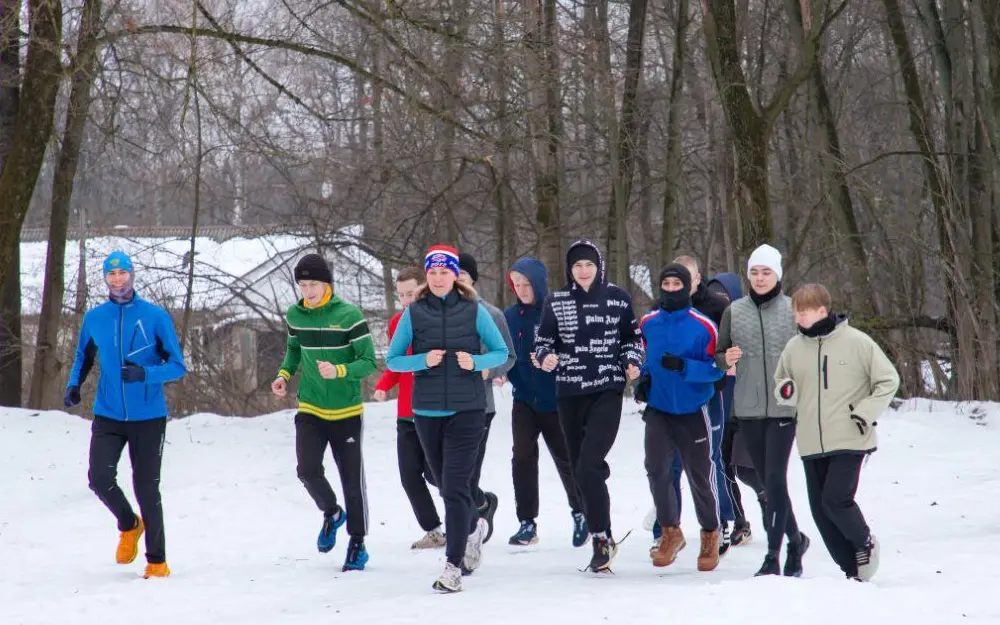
(675,300)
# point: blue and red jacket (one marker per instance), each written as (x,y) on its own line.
(690,335)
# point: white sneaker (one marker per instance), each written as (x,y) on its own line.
(474,546)
(433,539)
(867,560)
(650,520)
(450,580)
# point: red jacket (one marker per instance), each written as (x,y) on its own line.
(389,379)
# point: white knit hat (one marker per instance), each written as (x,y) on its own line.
(768,257)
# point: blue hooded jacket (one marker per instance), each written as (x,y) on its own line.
(137,332)
(692,336)
(726,284)
(531,385)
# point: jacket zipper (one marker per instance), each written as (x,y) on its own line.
(121,353)
(444,340)
(534,371)
(821,361)
(763,357)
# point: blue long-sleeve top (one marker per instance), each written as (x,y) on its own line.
(136,332)
(396,358)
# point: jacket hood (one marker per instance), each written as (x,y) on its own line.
(601,278)
(730,282)
(535,271)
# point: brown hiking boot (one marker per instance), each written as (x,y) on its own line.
(666,549)
(708,558)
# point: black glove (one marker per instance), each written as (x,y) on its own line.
(132,372)
(672,363)
(72,397)
(642,386)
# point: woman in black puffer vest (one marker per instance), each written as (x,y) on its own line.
(447,328)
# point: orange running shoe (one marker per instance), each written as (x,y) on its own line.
(157,570)
(128,543)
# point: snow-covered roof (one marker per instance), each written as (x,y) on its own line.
(236,278)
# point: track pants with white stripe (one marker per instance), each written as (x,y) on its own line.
(312,436)
(691,435)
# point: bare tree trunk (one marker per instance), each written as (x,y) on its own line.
(673,178)
(198,160)
(967,202)
(751,128)
(451,67)
(991,30)
(21,167)
(10,298)
(81,277)
(922,134)
(545,122)
(382,177)
(506,241)
(990,107)
(46,366)
(10,74)
(623,134)
(835,177)
(982,168)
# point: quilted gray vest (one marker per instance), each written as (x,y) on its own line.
(762,334)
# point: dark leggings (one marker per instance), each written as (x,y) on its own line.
(769,442)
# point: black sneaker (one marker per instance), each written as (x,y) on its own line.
(605,550)
(741,535)
(725,539)
(487,511)
(793,556)
(771,566)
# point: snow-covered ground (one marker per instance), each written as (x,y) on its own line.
(241,537)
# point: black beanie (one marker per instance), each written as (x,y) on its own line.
(671,301)
(679,271)
(313,267)
(467,262)
(582,252)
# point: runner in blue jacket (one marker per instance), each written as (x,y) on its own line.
(678,381)
(534,412)
(135,343)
